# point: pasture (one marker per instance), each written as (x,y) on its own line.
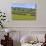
(23,13)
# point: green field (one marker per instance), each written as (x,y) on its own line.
(23,14)
(23,17)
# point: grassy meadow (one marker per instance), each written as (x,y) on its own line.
(23,13)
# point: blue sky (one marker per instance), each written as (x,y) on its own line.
(25,5)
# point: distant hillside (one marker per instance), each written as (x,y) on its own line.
(23,11)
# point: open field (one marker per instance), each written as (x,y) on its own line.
(23,17)
(23,13)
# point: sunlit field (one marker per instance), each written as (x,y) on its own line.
(23,17)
